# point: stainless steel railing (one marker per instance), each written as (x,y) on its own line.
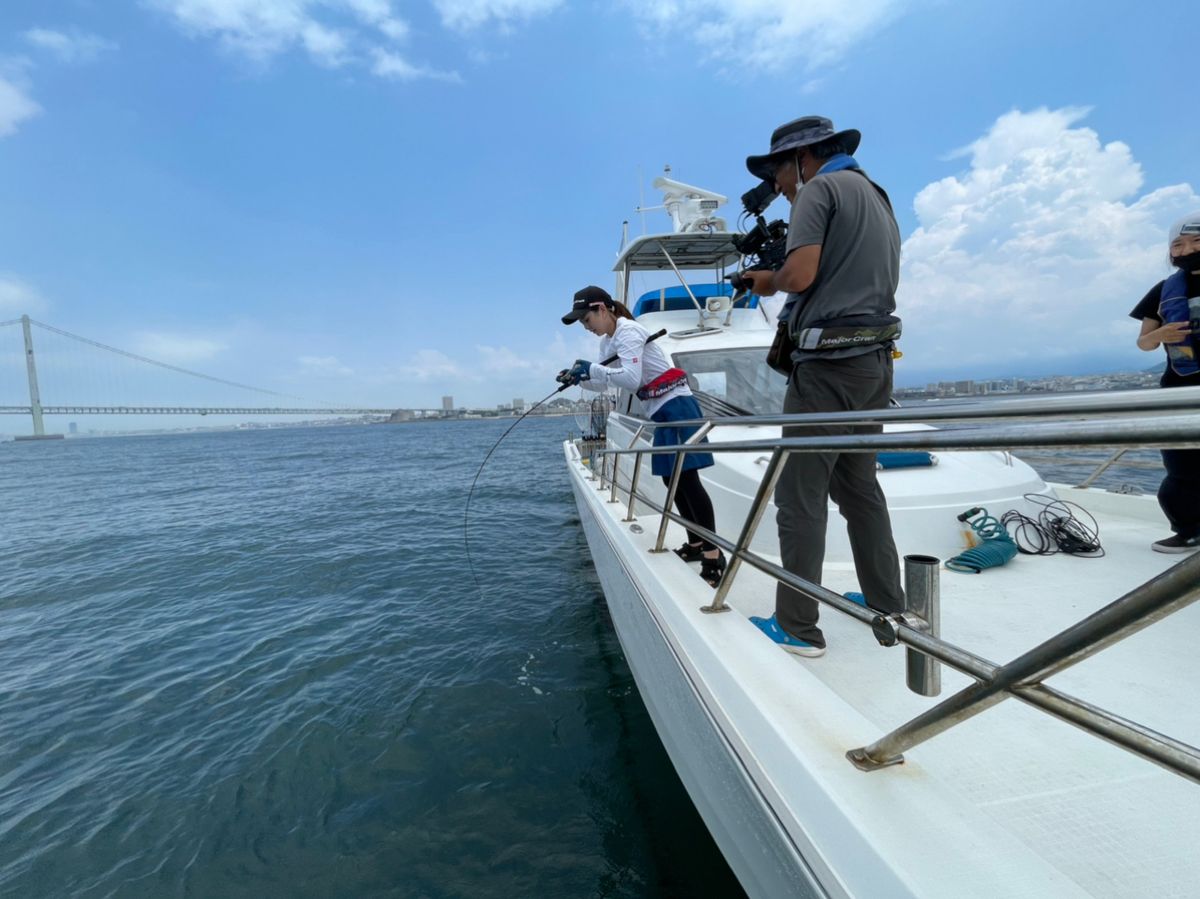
(1108,422)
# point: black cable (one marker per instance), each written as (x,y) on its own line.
(1029,536)
(1060,527)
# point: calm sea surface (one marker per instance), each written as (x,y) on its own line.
(256,664)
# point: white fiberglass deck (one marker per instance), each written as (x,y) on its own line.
(1011,802)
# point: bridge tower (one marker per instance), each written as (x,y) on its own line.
(35,398)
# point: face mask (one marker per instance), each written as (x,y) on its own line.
(1189,263)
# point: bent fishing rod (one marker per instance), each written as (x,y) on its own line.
(467,508)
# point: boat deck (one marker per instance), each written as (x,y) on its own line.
(1112,822)
(1010,802)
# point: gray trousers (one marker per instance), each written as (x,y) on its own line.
(810,480)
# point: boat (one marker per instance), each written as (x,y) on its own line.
(981,743)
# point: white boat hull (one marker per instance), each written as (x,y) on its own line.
(757,848)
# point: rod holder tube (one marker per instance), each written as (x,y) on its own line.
(922,592)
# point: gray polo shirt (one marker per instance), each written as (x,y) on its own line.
(860,255)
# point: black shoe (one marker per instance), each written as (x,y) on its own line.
(690,552)
(712,569)
(1176,544)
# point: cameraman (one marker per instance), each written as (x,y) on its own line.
(841,271)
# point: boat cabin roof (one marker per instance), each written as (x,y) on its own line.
(688,250)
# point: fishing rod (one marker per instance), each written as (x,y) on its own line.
(467,508)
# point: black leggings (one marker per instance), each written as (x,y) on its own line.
(1179,494)
(693,503)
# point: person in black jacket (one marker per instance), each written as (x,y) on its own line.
(1170,317)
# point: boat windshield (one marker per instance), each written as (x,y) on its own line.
(734,381)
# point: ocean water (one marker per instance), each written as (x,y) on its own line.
(257,664)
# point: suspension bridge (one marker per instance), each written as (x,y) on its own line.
(86,383)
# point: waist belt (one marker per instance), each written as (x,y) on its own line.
(839,333)
(663,384)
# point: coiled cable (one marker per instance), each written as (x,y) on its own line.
(1060,527)
(996,548)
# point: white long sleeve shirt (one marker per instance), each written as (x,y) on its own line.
(638,363)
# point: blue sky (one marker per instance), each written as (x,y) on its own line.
(380,202)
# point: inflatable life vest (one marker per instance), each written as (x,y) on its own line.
(1175,306)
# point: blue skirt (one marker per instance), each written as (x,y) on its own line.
(680,408)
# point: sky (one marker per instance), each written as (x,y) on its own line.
(380,202)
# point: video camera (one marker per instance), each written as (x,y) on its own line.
(766,243)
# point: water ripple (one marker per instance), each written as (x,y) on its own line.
(256,664)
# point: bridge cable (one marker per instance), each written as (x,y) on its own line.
(195,374)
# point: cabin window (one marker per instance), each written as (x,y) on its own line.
(734,381)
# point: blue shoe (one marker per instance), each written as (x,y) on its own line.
(858,598)
(771,628)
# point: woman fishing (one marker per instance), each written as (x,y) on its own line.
(644,369)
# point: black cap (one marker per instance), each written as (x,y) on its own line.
(584,300)
(796,134)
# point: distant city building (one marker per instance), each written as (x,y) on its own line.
(72,428)
(518,404)
(447,404)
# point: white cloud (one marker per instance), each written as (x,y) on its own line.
(325,365)
(379,14)
(464,15)
(334,33)
(388,64)
(73,47)
(432,365)
(15,107)
(502,360)
(176,349)
(18,297)
(768,34)
(1037,247)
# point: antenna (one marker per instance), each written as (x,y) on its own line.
(690,208)
(641,197)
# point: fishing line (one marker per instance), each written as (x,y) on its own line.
(467,508)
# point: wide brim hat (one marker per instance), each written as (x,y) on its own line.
(796,134)
(584,300)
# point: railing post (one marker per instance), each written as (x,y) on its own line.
(637,471)
(617,465)
(1103,467)
(675,473)
(922,594)
(766,488)
(603,469)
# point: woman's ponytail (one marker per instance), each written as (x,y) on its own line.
(620,310)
